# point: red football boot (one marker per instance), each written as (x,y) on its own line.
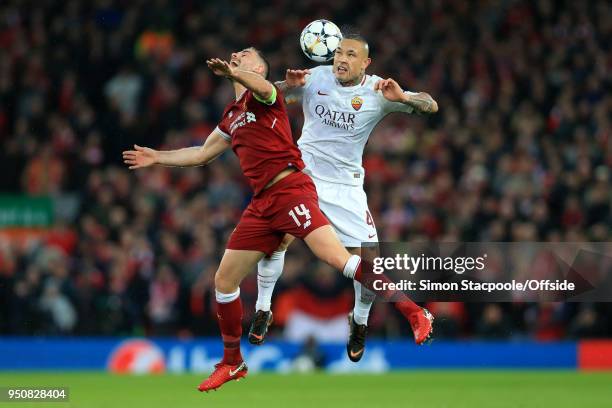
(222,374)
(422,325)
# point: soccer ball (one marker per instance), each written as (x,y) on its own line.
(319,40)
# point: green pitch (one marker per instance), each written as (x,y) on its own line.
(422,389)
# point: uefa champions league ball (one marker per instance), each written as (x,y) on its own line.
(319,40)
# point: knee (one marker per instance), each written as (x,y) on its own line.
(223,283)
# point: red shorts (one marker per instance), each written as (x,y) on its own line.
(291,206)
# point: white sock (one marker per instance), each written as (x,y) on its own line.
(268,272)
(364,298)
(227,297)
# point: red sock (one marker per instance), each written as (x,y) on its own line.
(229,316)
(399,298)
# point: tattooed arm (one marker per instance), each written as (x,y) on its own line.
(421,102)
(282,85)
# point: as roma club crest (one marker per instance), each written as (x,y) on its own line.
(356,102)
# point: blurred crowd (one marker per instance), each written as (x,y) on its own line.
(521,150)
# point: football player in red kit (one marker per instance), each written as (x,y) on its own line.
(256,126)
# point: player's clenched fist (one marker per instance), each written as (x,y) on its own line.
(140,157)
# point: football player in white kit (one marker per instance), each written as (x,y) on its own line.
(342,105)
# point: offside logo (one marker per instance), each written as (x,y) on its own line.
(356,103)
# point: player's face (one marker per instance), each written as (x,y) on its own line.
(247,60)
(350,60)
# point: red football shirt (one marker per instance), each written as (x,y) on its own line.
(261,138)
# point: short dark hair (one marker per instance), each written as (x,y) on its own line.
(349,34)
(265,62)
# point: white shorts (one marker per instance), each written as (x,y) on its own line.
(346,208)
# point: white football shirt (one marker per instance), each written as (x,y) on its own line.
(337,123)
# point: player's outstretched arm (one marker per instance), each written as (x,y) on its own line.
(294,78)
(422,102)
(262,88)
(142,157)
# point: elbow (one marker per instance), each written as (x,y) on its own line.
(202,159)
(434,107)
(266,93)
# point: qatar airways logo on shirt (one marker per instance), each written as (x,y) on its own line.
(337,119)
(241,120)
